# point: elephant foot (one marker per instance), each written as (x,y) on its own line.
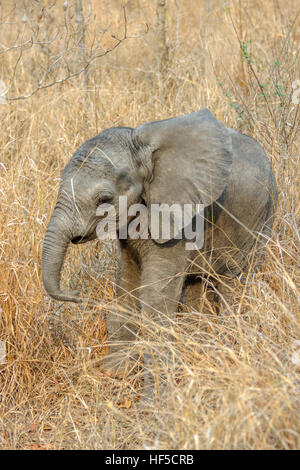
(147,397)
(119,364)
(155,388)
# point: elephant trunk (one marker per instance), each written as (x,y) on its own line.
(55,247)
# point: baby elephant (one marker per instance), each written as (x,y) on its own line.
(205,195)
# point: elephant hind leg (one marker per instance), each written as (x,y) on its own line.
(199,295)
(162,283)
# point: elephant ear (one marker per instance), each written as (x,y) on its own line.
(191,158)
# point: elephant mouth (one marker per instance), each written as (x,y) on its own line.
(79,240)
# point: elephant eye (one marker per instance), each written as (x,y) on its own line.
(105,199)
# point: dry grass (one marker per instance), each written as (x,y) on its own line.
(235,383)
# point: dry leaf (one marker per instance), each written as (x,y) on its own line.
(47,427)
(41,447)
(127,403)
(33,427)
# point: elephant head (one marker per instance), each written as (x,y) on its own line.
(180,160)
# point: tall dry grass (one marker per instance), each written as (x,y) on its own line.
(235,380)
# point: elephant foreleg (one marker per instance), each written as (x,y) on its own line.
(122,321)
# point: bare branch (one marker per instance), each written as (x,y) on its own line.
(65,55)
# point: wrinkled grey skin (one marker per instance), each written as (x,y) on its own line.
(189,159)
